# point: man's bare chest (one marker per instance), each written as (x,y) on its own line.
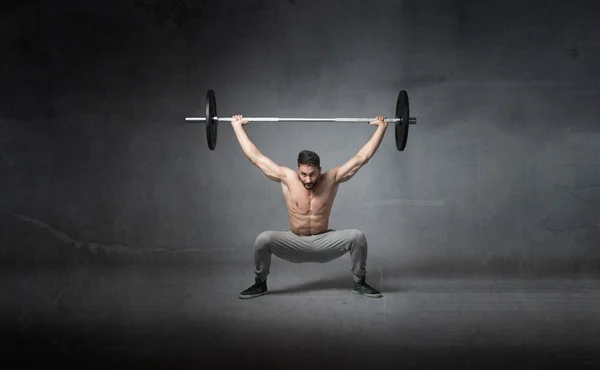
(305,201)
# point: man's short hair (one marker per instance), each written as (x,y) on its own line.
(309,158)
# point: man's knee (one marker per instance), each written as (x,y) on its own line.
(359,238)
(263,239)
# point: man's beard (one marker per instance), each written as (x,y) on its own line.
(311,185)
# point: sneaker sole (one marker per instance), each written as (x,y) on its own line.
(251,296)
(368,295)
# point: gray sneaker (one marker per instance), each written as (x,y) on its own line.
(365,289)
(259,288)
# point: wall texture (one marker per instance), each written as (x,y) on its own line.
(501,173)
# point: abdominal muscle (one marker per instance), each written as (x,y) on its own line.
(309,224)
(309,211)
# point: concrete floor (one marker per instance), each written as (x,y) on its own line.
(189,315)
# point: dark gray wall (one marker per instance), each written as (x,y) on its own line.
(125,240)
(501,172)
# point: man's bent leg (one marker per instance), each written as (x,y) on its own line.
(336,243)
(283,244)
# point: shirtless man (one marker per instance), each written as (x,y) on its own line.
(309,195)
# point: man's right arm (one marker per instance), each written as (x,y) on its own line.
(265,164)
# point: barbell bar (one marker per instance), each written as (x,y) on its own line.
(412,120)
(402,119)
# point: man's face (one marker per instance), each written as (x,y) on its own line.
(309,175)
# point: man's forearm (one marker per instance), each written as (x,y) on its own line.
(249,149)
(372,145)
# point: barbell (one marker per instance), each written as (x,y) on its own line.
(401,119)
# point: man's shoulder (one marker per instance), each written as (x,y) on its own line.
(331,173)
(288,174)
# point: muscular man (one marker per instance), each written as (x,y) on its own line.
(309,195)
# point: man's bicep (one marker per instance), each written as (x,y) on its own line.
(346,171)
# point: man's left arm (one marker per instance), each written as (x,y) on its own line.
(350,168)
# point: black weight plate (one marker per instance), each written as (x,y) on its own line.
(211,124)
(403,113)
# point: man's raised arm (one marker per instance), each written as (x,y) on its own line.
(266,165)
(350,168)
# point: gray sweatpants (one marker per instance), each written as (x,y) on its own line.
(319,248)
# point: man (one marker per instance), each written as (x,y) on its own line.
(309,195)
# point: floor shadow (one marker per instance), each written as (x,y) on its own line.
(342,284)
